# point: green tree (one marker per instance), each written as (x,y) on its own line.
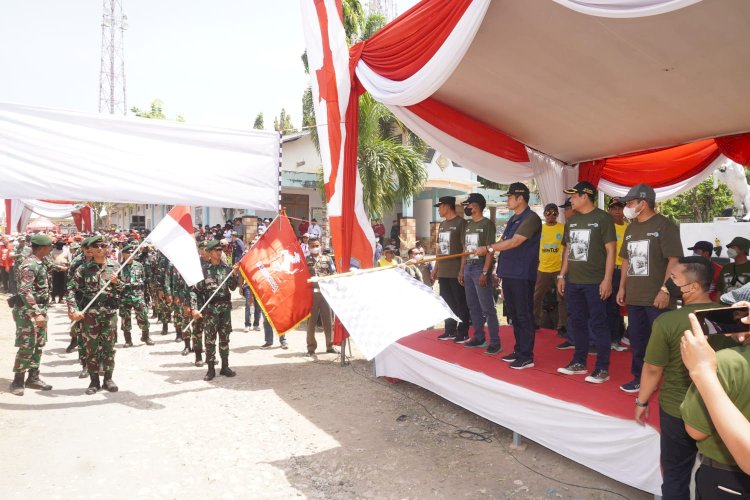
(155,111)
(258,124)
(283,123)
(700,204)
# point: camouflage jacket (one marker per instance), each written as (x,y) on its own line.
(133,279)
(151,267)
(33,286)
(174,285)
(213,275)
(88,279)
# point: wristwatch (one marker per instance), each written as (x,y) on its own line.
(485,273)
(639,404)
(560,277)
(490,249)
(664,289)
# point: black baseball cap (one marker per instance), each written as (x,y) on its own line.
(741,243)
(582,187)
(639,192)
(446,200)
(616,202)
(551,206)
(567,203)
(517,188)
(475,198)
(702,245)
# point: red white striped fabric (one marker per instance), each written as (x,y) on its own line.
(174,237)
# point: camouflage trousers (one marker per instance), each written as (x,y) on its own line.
(217,322)
(196,334)
(30,339)
(138,305)
(75,334)
(163,310)
(99,331)
(179,316)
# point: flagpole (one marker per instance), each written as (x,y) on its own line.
(210,298)
(106,285)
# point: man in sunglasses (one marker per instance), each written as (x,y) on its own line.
(100,320)
(550,262)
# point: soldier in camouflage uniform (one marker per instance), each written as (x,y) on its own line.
(177,294)
(100,320)
(133,284)
(150,261)
(196,302)
(164,306)
(30,315)
(217,314)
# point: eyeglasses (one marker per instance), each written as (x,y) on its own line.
(99,246)
(550,212)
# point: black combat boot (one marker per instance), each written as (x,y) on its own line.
(225,370)
(211,373)
(34,382)
(198,358)
(16,387)
(187,349)
(164,328)
(153,314)
(109,384)
(84,371)
(94,385)
(178,335)
(72,346)
(128,339)
(146,339)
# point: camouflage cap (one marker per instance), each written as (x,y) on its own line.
(75,245)
(41,240)
(212,244)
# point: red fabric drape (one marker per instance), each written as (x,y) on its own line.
(402,47)
(591,171)
(77,219)
(470,130)
(86,213)
(8,229)
(735,147)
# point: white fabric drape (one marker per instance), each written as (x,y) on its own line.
(435,72)
(663,193)
(548,173)
(479,161)
(625,8)
(616,447)
(52,210)
(66,155)
(16,216)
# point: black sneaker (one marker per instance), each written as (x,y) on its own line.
(522,364)
(573,369)
(562,332)
(632,386)
(493,349)
(598,377)
(475,343)
(447,336)
(460,340)
(509,358)
(565,345)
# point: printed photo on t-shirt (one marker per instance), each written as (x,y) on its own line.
(580,240)
(638,258)
(471,243)
(444,243)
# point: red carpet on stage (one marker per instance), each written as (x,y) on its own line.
(606,398)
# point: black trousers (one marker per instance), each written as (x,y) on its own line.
(678,451)
(518,303)
(718,484)
(453,294)
(58,284)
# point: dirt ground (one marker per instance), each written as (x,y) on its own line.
(286,426)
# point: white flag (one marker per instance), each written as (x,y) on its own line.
(378,308)
(174,237)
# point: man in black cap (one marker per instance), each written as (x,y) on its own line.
(550,262)
(586,280)
(706,249)
(567,208)
(614,317)
(30,315)
(737,273)
(450,242)
(518,260)
(474,275)
(651,250)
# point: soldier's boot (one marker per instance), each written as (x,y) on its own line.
(164,328)
(186,350)
(153,314)
(146,339)
(198,358)
(84,371)
(128,339)
(72,346)
(34,382)
(211,373)
(225,370)
(178,335)
(109,384)
(95,385)
(16,387)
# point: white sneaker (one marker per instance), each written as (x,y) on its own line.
(247,329)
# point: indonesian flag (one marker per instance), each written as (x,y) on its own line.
(276,270)
(174,237)
(336,113)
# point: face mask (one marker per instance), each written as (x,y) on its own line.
(675,291)
(630,213)
(731,253)
(315,250)
(418,257)
(467,211)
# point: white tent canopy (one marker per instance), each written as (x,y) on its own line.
(68,155)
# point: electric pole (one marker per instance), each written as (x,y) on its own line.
(112,95)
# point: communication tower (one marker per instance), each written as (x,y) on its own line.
(112,95)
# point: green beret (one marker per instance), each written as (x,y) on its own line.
(96,239)
(128,249)
(41,240)
(212,244)
(202,244)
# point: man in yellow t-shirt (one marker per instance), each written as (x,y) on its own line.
(614,318)
(550,262)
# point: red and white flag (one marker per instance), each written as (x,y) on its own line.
(337,119)
(174,237)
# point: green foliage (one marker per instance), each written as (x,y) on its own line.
(155,111)
(283,123)
(354,19)
(372,24)
(258,124)
(700,204)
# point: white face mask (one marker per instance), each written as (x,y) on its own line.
(418,257)
(731,253)
(630,213)
(315,250)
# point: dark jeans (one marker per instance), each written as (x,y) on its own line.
(453,294)
(588,313)
(640,319)
(247,294)
(256,312)
(268,332)
(708,480)
(481,302)
(518,299)
(678,452)
(614,318)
